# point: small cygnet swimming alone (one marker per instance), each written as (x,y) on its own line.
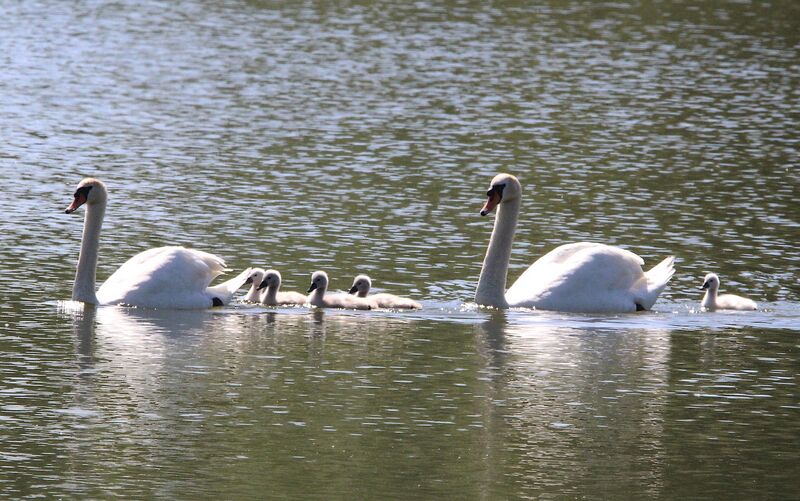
(317,297)
(361,287)
(711,301)
(272,296)
(254,279)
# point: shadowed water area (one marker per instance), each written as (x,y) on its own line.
(361,138)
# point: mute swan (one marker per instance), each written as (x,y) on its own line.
(163,277)
(317,297)
(579,277)
(713,302)
(255,279)
(361,286)
(271,297)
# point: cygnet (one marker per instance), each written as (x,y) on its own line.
(361,287)
(273,297)
(711,301)
(317,297)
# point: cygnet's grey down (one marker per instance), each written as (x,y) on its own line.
(711,301)
(361,286)
(272,295)
(318,298)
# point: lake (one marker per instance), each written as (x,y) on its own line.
(360,137)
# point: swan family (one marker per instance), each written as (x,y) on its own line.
(584,277)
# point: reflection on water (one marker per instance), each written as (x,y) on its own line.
(517,403)
(359,139)
(577,404)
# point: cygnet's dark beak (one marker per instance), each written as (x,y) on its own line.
(313,287)
(248,281)
(262,285)
(353,290)
(705,285)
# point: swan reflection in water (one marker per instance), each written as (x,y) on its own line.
(128,350)
(142,352)
(561,392)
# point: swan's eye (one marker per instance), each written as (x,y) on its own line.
(497,189)
(84,190)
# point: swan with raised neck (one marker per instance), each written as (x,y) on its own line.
(579,277)
(162,277)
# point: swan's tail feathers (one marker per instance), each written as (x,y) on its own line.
(657,279)
(224,291)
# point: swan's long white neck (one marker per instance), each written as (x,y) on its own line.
(491,289)
(84,287)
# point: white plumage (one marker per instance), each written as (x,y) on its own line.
(163,277)
(579,277)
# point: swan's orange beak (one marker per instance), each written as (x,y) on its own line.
(80,199)
(491,202)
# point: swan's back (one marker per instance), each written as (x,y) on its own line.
(390,301)
(344,301)
(734,302)
(291,298)
(361,287)
(163,277)
(584,277)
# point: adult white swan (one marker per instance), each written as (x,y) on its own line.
(579,277)
(163,277)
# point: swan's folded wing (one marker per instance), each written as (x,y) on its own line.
(579,277)
(162,272)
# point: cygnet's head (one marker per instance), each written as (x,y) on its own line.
(272,279)
(503,188)
(255,277)
(319,281)
(90,191)
(361,285)
(711,281)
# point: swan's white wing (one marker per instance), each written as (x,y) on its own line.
(580,277)
(173,277)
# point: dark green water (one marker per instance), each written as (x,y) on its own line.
(361,137)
